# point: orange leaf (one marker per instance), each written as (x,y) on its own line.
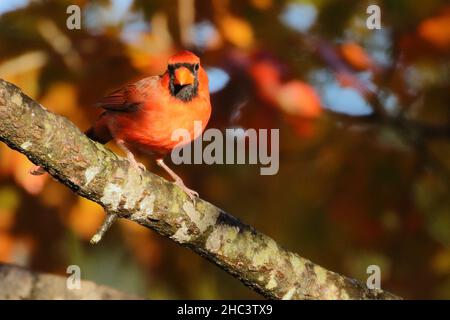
(237,31)
(267,79)
(299,99)
(85,217)
(262,4)
(436,31)
(356,56)
(6,247)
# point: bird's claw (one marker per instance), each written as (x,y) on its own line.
(192,194)
(137,165)
(141,166)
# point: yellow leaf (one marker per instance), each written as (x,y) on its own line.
(262,4)
(441,262)
(237,31)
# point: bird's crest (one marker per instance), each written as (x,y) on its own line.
(184,57)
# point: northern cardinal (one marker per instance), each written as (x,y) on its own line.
(142,116)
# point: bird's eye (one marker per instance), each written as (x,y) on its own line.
(196,67)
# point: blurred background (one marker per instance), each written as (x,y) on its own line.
(364,119)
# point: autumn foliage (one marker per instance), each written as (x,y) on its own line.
(364,118)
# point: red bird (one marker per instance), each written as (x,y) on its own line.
(142,116)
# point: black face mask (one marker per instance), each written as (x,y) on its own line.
(183,92)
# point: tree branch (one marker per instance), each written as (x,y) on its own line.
(96,173)
(18,283)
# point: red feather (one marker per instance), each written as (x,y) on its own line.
(145,114)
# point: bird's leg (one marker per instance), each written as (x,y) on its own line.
(137,165)
(178,181)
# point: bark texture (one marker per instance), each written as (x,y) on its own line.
(96,173)
(18,283)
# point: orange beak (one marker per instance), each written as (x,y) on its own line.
(183,76)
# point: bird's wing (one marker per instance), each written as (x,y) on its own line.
(128,97)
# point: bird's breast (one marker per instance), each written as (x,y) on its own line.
(152,127)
